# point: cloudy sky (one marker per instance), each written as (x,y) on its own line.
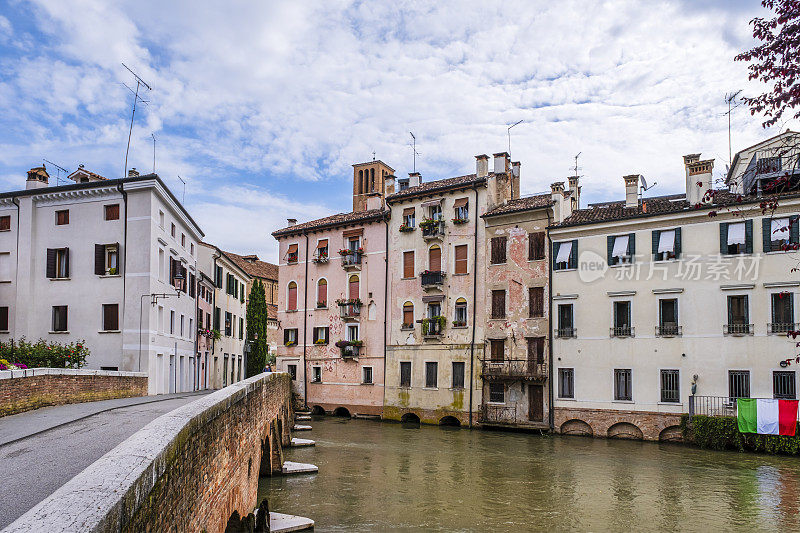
(263,106)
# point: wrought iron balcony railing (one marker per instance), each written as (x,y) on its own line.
(522,369)
(737,329)
(669,330)
(566,333)
(433,278)
(351,260)
(349,310)
(781,327)
(434,230)
(622,331)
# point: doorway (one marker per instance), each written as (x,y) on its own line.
(535,403)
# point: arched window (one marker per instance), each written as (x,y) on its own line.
(291,297)
(360,184)
(353,287)
(322,293)
(408,315)
(460,318)
(435,258)
(372,180)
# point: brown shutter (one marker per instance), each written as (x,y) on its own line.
(408,314)
(66,261)
(461,259)
(323,243)
(185,282)
(498,250)
(51,263)
(408,264)
(535,302)
(408,211)
(353,232)
(498,347)
(100,259)
(498,304)
(111,317)
(461,202)
(354,289)
(435,259)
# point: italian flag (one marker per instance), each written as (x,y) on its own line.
(767,417)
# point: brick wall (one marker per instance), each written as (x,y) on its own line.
(644,425)
(188,470)
(23,390)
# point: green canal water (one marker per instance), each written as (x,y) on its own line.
(378,476)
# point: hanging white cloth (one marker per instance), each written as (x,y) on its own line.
(666,241)
(564,251)
(620,246)
(780,229)
(736,233)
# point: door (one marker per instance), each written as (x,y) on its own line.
(181,375)
(171,373)
(535,403)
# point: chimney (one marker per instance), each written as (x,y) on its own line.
(132,173)
(575,189)
(414,179)
(38,178)
(291,221)
(515,180)
(481,165)
(388,184)
(557,195)
(631,190)
(698,178)
(501,162)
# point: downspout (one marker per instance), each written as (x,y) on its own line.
(124,193)
(474,306)
(214,306)
(551,414)
(16,271)
(385,302)
(305,324)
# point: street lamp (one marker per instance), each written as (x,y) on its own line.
(154,300)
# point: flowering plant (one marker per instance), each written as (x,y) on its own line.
(344,344)
(427,222)
(460,220)
(345,251)
(290,343)
(43,354)
(405,227)
(348,301)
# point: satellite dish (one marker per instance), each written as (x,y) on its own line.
(644,182)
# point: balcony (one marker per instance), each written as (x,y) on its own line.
(737,330)
(320,258)
(432,328)
(669,331)
(781,328)
(566,333)
(432,229)
(622,331)
(349,349)
(513,369)
(349,309)
(351,260)
(432,279)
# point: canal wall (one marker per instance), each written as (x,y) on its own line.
(637,425)
(188,470)
(23,390)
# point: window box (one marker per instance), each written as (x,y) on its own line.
(320,259)
(349,349)
(432,229)
(460,221)
(459,324)
(405,228)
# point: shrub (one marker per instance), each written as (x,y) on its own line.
(43,354)
(722,433)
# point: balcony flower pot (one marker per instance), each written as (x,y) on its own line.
(405,228)
(459,221)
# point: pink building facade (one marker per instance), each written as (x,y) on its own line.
(205,340)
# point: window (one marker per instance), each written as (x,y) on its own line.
(320,335)
(666,244)
(405,373)
(435,212)
(57,263)
(670,386)
(322,293)
(535,302)
(461,210)
(622,384)
(322,250)
(460,317)
(110,317)
(409,217)
(292,254)
(352,332)
(782,312)
(461,259)
(241,328)
(566,326)
(622,320)
(736,237)
(112,212)
(191,248)
(431,374)
(408,264)
(738,384)
(621,248)
(172,322)
(565,255)
(59,318)
(783,385)
(62,217)
(162,268)
(290,336)
(498,250)
(161,219)
(738,315)
(458,374)
(291,297)
(5,223)
(4,318)
(497,349)
(316,374)
(435,259)
(408,315)
(566,382)
(668,316)
(535,351)
(353,287)
(778,233)
(228,324)
(403,184)
(106,259)
(536,246)
(366,375)
(497,393)
(160,319)
(172,230)
(5,266)
(183,331)
(292,370)
(499,303)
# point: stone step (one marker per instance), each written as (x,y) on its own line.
(290,467)
(302,413)
(298,443)
(302,417)
(299,427)
(283,523)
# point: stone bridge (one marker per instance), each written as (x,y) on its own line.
(188,470)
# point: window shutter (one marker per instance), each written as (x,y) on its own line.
(656,237)
(99,259)
(677,242)
(408,264)
(632,245)
(791,307)
(51,263)
(554,253)
(730,311)
(609,247)
(66,261)
(766,234)
(748,236)
(461,259)
(723,237)
(573,256)
(185,279)
(794,231)
(191,283)
(746,310)
(216,317)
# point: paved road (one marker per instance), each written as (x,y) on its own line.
(45,448)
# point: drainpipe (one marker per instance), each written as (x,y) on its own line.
(385,301)
(474,306)
(124,257)
(551,414)
(214,305)
(305,325)
(16,272)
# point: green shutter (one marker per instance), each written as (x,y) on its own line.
(610,245)
(746,309)
(794,231)
(748,236)
(573,256)
(632,245)
(677,243)
(656,236)
(730,311)
(554,253)
(766,234)
(791,308)
(723,237)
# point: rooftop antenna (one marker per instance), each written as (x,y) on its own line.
(373,155)
(509,134)
(414,150)
(136,98)
(59,170)
(729,99)
(153,135)
(183,198)
(576,167)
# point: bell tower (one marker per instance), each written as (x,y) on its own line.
(369,180)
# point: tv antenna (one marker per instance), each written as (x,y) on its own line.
(509,134)
(136,98)
(59,170)
(183,198)
(153,135)
(729,99)
(414,150)
(576,168)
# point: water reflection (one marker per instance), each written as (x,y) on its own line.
(382,476)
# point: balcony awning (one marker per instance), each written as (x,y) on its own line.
(461,202)
(620,246)
(779,229)
(433,298)
(408,211)
(292,249)
(323,243)
(353,233)
(431,203)
(564,251)
(666,241)
(736,233)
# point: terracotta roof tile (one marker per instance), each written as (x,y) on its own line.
(253,266)
(435,186)
(340,219)
(537,201)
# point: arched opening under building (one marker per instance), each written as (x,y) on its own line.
(341,411)
(410,419)
(450,421)
(317,410)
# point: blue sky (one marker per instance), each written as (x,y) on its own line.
(262,107)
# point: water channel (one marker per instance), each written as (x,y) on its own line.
(378,476)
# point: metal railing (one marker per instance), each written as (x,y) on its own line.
(432,327)
(622,331)
(351,259)
(669,331)
(566,333)
(433,230)
(499,413)
(350,351)
(349,310)
(737,329)
(513,369)
(432,278)
(781,327)
(713,406)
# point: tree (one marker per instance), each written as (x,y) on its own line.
(776,60)
(256,329)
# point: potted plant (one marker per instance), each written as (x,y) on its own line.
(320,341)
(345,251)
(112,271)
(427,222)
(459,323)
(459,221)
(290,343)
(404,228)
